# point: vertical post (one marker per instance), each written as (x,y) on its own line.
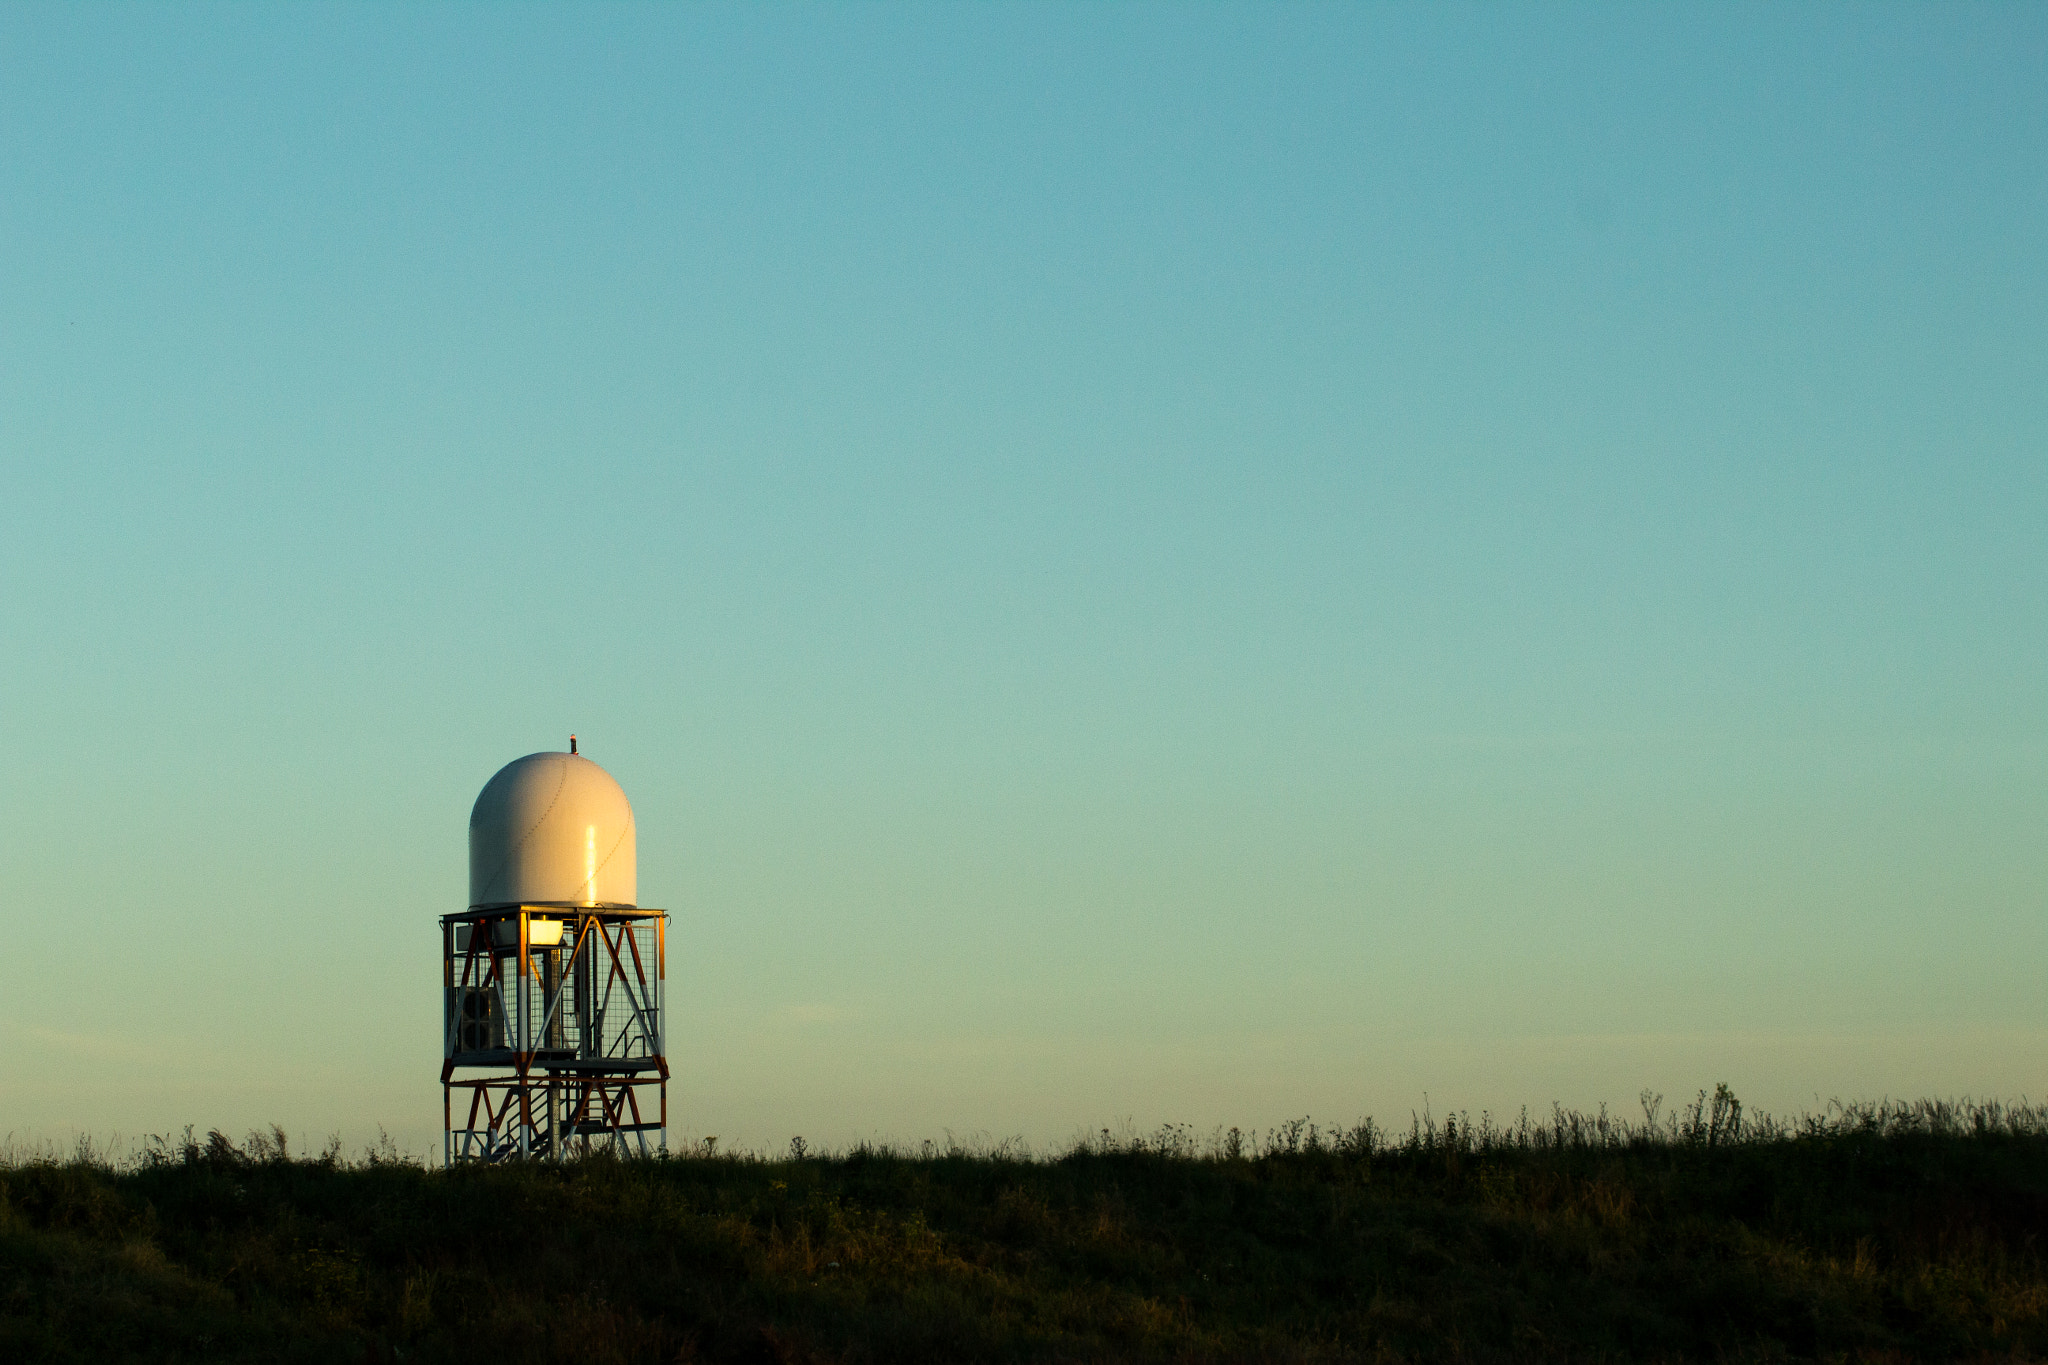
(523,1047)
(586,1047)
(447,1042)
(661,1018)
(551,1039)
(661,986)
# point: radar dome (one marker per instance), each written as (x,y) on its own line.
(551,829)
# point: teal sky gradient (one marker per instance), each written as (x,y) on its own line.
(1173,564)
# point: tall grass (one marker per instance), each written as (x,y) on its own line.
(1876,1232)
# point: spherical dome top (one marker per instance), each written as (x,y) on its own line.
(551,829)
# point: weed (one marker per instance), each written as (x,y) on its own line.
(1706,1232)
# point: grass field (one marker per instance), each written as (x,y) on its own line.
(1870,1233)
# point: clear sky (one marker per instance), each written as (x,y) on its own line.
(1193,563)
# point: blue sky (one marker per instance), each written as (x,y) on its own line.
(1137,563)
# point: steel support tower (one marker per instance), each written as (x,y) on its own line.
(552,1039)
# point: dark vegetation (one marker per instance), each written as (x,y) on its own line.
(1870,1233)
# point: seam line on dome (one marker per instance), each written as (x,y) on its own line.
(561,781)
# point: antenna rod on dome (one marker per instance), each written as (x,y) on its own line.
(572,744)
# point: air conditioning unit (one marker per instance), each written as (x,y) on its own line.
(481,1023)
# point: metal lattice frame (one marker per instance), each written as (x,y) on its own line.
(568,1033)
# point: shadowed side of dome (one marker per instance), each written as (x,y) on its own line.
(552,829)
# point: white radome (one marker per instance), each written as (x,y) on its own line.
(551,829)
